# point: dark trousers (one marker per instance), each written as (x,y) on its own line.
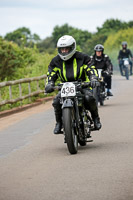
(89,101)
(108,81)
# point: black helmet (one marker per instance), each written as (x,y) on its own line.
(99,47)
(124,45)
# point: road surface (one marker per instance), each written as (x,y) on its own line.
(36,165)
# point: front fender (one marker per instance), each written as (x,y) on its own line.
(67,103)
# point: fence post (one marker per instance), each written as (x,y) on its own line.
(10,91)
(0,96)
(29,91)
(20,93)
(38,88)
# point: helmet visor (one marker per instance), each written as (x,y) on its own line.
(66,50)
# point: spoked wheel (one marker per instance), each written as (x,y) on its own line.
(70,130)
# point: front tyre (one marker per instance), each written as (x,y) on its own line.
(127,73)
(95,94)
(70,130)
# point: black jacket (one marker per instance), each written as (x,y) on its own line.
(104,63)
(125,53)
(71,70)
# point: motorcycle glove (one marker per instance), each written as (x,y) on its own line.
(49,87)
(94,83)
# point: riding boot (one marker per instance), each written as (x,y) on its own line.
(90,104)
(96,119)
(97,123)
(58,126)
(109,93)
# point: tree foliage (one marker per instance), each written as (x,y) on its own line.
(112,25)
(13,57)
(80,36)
(23,37)
(46,45)
(115,40)
(89,45)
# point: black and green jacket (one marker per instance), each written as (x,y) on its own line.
(71,70)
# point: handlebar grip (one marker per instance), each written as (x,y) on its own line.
(85,84)
(57,88)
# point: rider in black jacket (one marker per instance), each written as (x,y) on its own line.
(102,61)
(71,65)
(124,53)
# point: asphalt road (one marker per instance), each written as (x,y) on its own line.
(36,165)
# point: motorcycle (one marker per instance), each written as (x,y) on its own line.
(126,67)
(99,91)
(77,123)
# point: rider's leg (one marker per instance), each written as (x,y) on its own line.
(121,67)
(58,114)
(90,104)
(108,81)
(130,67)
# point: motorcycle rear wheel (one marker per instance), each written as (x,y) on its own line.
(69,129)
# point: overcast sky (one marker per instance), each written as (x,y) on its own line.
(41,16)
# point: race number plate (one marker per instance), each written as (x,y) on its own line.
(68,89)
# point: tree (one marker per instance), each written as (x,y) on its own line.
(112,25)
(13,57)
(80,36)
(23,37)
(46,45)
(90,43)
(130,24)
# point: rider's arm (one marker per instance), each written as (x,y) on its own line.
(91,72)
(119,57)
(52,74)
(109,64)
(130,53)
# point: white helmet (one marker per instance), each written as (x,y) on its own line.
(66,41)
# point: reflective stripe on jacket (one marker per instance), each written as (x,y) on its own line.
(71,70)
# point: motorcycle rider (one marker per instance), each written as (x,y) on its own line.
(71,65)
(124,53)
(102,61)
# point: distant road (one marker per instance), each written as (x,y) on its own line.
(36,165)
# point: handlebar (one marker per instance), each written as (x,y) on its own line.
(82,84)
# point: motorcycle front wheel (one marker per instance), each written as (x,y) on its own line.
(127,73)
(70,130)
(95,94)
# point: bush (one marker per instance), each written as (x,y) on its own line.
(12,58)
(113,44)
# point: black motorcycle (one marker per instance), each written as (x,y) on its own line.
(99,91)
(77,123)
